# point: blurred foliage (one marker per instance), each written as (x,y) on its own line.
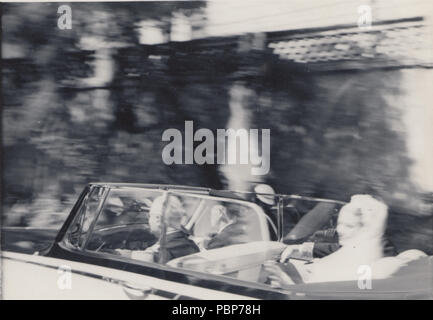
(333,134)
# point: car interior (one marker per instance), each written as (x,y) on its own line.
(244,227)
(123,224)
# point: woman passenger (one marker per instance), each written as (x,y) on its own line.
(360,227)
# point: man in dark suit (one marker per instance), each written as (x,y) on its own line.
(173,241)
(225,228)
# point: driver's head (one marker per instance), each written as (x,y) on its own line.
(174,214)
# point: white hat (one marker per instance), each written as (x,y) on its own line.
(266,189)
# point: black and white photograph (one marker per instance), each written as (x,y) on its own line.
(217,150)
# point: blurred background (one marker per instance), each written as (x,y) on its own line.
(349,108)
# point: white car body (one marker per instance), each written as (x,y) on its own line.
(31,277)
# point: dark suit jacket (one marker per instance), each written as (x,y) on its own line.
(178,245)
(226,237)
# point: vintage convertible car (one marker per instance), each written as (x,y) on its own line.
(109,227)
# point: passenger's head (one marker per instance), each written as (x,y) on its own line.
(174,213)
(364,216)
(349,222)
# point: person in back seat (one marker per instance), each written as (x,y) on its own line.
(225,228)
(175,243)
